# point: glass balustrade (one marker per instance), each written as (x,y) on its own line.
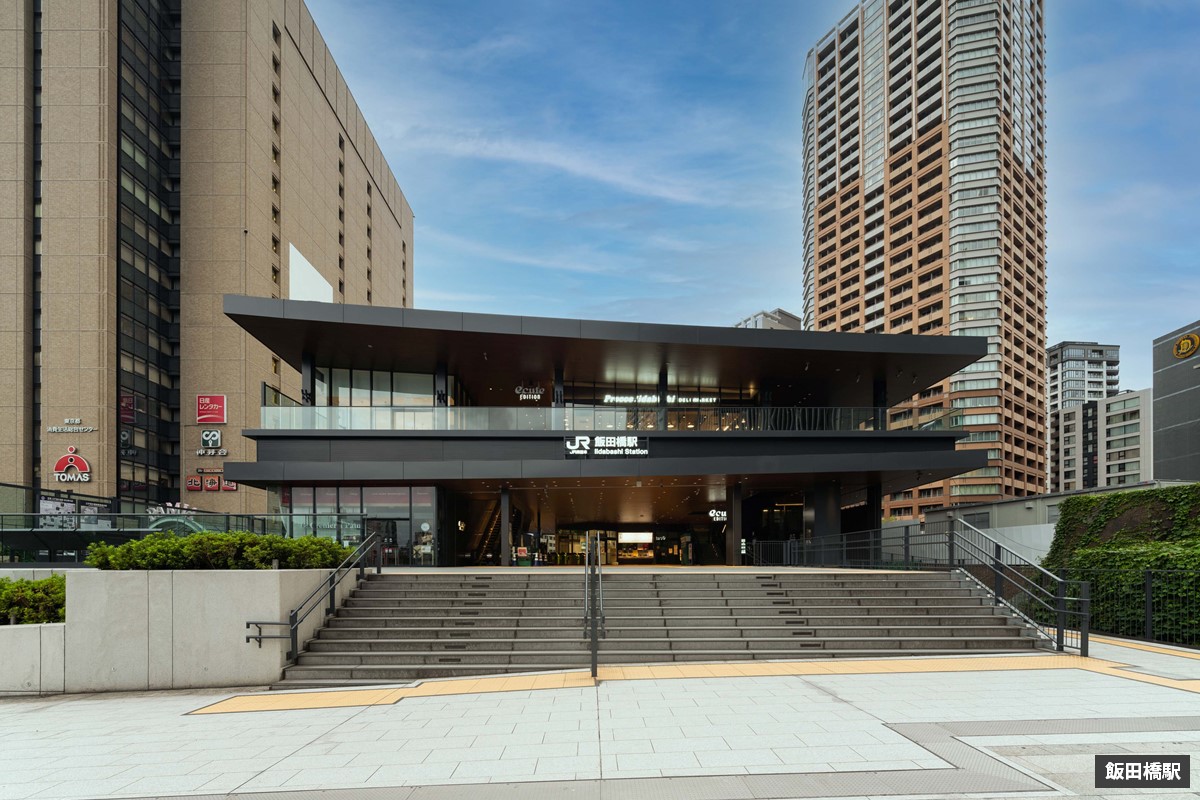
(607,418)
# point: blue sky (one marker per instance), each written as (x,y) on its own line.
(642,161)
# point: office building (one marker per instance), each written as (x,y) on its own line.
(159,153)
(777,320)
(924,211)
(1103,442)
(479,438)
(1176,363)
(1077,372)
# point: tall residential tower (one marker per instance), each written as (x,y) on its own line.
(157,154)
(924,211)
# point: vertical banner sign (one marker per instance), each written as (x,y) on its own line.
(210,409)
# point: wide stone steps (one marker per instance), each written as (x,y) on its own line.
(401,627)
(395,639)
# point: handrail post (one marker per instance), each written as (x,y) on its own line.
(587,579)
(378,554)
(332,593)
(1060,606)
(595,624)
(907,547)
(998,569)
(294,653)
(1085,608)
(950,554)
(1148,582)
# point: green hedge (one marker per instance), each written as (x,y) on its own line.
(234,550)
(25,601)
(1123,518)
(1118,574)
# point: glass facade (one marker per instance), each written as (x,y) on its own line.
(405,517)
(148,238)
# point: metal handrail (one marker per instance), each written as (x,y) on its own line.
(1028,590)
(593,598)
(328,585)
(1007,565)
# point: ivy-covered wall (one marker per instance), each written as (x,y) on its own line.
(1117,519)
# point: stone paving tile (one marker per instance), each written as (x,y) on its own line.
(411,775)
(567,764)
(655,761)
(738,758)
(689,745)
(331,776)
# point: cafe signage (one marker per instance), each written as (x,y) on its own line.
(533,393)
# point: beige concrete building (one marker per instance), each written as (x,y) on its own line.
(155,155)
(924,212)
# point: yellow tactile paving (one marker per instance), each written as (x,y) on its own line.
(1145,646)
(344,698)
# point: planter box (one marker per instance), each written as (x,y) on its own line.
(168,629)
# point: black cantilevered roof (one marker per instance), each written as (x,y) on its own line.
(496,352)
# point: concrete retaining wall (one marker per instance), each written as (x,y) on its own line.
(169,629)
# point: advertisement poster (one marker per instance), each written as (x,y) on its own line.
(57,514)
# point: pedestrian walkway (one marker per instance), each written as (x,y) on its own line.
(988,726)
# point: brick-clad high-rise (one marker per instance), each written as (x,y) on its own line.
(925,212)
(155,155)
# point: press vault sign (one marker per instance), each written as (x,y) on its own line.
(606,447)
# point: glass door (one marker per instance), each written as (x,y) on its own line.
(396,535)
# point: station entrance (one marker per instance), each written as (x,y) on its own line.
(662,547)
(650,522)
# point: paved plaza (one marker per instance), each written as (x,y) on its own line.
(986,726)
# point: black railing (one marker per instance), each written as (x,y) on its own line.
(1158,605)
(325,592)
(1058,609)
(593,596)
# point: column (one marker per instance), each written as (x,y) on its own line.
(733,528)
(823,506)
(505,528)
(308,379)
(879,401)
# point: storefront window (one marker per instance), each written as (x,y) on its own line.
(424,525)
(339,394)
(381,388)
(350,505)
(362,387)
(412,389)
(321,397)
(326,507)
(386,501)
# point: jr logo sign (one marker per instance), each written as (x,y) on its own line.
(578,445)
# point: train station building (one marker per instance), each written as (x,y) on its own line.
(475,439)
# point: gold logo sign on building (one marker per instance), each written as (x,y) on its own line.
(1187,345)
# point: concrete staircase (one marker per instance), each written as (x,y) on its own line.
(404,626)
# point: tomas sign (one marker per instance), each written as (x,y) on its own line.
(72,468)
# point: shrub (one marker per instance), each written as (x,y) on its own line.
(1117,574)
(26,601)
(1123,518)
(233,550)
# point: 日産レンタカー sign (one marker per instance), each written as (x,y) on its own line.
(210,409)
